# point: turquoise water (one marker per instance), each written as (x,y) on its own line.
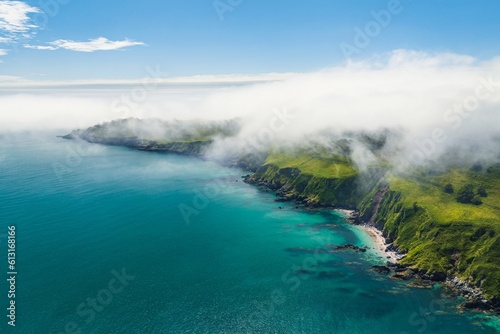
(239,264)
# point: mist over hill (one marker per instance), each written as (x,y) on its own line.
(430,104)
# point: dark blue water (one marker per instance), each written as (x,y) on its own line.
(112,240)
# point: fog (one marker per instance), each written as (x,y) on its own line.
(428,103)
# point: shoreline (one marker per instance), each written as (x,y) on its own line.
(474,296)
(380,245)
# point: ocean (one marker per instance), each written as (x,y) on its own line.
(113,240)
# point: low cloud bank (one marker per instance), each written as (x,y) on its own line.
(429,103)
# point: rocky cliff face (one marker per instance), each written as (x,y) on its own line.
(315,191)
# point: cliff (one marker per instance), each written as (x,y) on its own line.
(440,237)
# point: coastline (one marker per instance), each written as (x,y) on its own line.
(380,244)
(475,297)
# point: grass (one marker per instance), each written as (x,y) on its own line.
(314,164)
(428,192)
(437,233)
(441,234)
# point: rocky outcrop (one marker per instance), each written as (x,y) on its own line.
(381,269)
(422,279)
(350,247)
(474,296)
(404,273)
(327,249)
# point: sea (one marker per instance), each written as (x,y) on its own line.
(113,240)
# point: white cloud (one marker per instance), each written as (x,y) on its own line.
(97,44)
(10,79)
(39,47)
(158,78)
(415,93)
(16,24)
(408,57)
(14,20)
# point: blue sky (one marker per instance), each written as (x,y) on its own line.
(201,37)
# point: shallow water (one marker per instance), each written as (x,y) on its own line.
(234,263)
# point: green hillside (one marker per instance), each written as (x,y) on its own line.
(441,234)
(329,167)
(438,233)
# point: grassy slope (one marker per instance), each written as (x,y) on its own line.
(332,167)
(428,192)
(443,235)
(312,176)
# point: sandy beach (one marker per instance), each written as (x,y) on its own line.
(381,245)
(376,235)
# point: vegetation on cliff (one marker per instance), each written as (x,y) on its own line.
(316,179)
(438,233)
(442,234)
